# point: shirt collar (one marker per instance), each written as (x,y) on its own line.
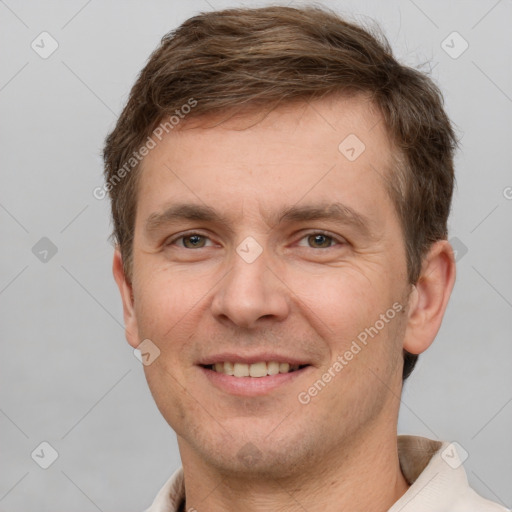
(432,468)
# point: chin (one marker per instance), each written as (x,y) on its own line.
(251,461)
(255,452)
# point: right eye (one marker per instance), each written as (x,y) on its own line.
(190,240)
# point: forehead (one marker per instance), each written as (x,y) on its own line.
(331,149)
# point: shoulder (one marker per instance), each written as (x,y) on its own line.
(438,480)
(471,501)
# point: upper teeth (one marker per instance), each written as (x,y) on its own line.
(261,369)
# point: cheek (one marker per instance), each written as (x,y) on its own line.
(354,314)
(163,303)
(343,299)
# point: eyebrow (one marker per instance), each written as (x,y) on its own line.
(336,211)
(332,211)
(185,211)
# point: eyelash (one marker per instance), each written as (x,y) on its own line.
(324,233)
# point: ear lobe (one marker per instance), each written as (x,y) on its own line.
(126,290)
(429,297)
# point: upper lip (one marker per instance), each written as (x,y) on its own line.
(251,358)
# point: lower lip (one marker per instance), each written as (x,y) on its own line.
(251,386)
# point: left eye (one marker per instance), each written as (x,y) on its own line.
(319,240)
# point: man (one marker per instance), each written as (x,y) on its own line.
(280,191)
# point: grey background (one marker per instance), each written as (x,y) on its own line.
(68,376)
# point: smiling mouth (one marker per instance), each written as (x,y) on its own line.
(257,370)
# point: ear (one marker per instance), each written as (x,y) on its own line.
(429,297)
(125,288)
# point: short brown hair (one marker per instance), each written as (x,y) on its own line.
(244,58)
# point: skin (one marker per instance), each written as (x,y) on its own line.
(304,296)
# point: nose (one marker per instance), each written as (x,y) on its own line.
(250,293)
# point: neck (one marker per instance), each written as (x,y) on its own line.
(363,474)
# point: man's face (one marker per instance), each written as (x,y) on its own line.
(274,282)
